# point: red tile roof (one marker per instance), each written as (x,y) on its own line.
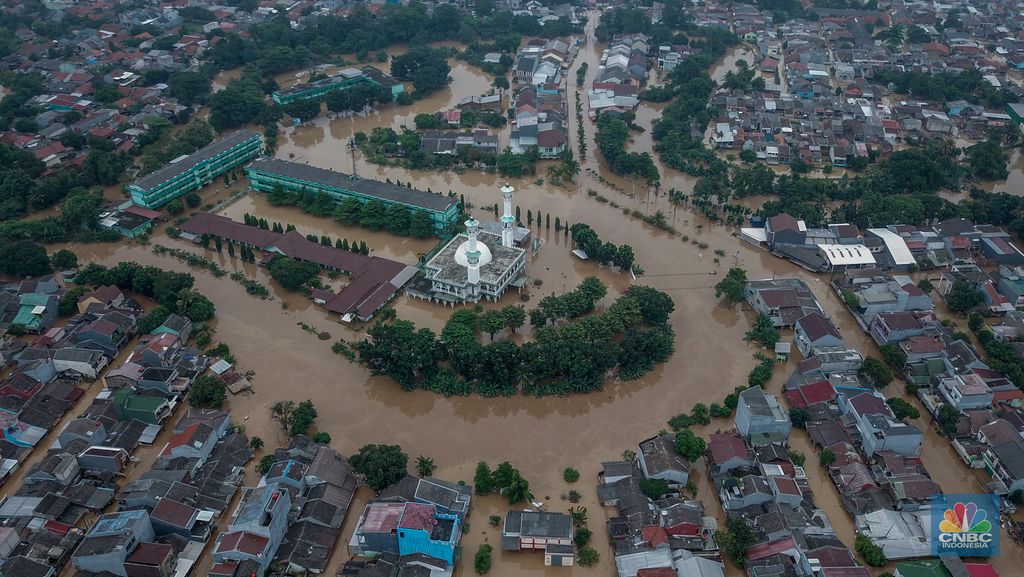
(418,516)
(244,542)
(654,535)
(770,548)
(807,395)
(173,512)
(726,446)
(150,554)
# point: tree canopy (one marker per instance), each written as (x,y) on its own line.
(382,465)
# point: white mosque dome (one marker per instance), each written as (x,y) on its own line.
(460,253)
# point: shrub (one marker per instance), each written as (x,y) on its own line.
(582,536)
(494,520)
(869,551)
(654,488)
(570,475)
(482,561)
(587,557)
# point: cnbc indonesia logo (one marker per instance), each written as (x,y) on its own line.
(967,527)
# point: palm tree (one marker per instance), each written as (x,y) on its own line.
(255,443)
(578,515)
(424,466)
(554,173)
(186,298)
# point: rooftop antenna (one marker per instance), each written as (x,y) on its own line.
(352,149)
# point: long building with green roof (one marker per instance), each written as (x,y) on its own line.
(265,174)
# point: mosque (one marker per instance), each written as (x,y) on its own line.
(477,264)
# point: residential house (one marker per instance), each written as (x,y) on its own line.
(109,459)
(106,296)
(405,529)
(728,452)
(151,560)
(1005,462)
(111,540)
(85,362)
(816,330)
(659,459)
(967,391)
(539,530)
(760,418)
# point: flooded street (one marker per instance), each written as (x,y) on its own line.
(540,436)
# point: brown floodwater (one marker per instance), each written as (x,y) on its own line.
(540,436)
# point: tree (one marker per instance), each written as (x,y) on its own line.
(427,68)
(748,155)
(425,466)
(689,445)
(175,207)
(797,457)
(799,417)
(193,200)
(482,560)
(894,356)
(763,331)
(514,316)
(902,409)
(207,392)
(826,458)
(869,551)
(323,437)
(654,488)
(655,306)
(266,463)
(587,557)
(578,516)
(23,258)
(382,465)
(570,475)
(701,414)
(292,273)
(152,320)
(69,302)
(948,419)
(482,479)
(925,285)
(302,418)
(582,536)
(491,322)
(255,443)
(732,285)
(194,305)
(877,371)
(963,296)
(735,540)
(64,259)
(420,225)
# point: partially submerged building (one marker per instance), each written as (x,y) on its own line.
(194,171)
(266,174)
(345,80)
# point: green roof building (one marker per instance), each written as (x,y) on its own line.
(194,171)
(128,404)
(267,173)
(343,81)
(922,568)
(1016,111)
